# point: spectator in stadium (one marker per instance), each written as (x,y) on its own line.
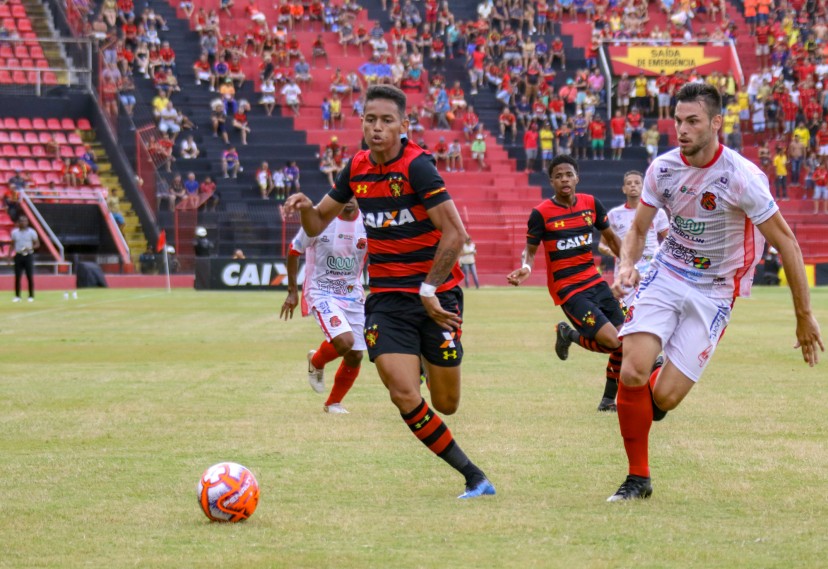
(292,176)
(19,181)
(820,179)
(343,321)
(24,244)
(293,95)
(467,262)
(780,168)
(478,151)
(796,156)
(113,204)
(89,158)
(584,296)
(701,306)
(455,156)
(218,120)
(507,122)
(189,149)
(530,145)
(169,121)
(202,245)
(264,180)
(147,262)
(209,194)
(230,163)
(651,139)
(440,151)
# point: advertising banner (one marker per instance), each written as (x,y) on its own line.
(225,273)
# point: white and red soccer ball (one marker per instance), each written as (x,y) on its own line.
(228,492)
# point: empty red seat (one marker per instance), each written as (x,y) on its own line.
(30,137)
(49,78)
(32,77)
(16,137)
(21,51)
(59,137)
(4,136)
(44,165)
(27,63)
(53,124)
(9,24)
(10,123)
(30,165)
(83,124)
(66,152)
(5,77)
(23,150)
(41,63)
(6,51)
(38,150)
(39,123)
(15,164)
(24,123)
(24,25)
(18,11)
(74,138)
(79,151)
(39,178)
(5,11)
(36,51)
(9,150)
(4,164)
(44,137)
(13,62)
(19,77)
(67,124)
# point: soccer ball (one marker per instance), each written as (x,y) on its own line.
(228,492)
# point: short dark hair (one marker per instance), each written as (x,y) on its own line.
(387,92)
(705,93)
(562,159)
(633,173)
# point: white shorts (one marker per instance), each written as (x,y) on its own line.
(664,99)
(823,150)
(335,321)
(688,323)
(821,192)
(618,141)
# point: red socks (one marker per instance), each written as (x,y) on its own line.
(635,416)
(324,354)
(343,381)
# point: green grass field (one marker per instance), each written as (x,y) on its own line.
(111,406)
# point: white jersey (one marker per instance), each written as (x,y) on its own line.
(333,264)
(713,243)
(620,219)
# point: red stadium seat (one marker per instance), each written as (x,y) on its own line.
(9,24)
(21,51)
(18,11)
(49,78)
(36,52)
(5,77)
(13,62)
(39,178)
(4,164)
(27,63)
(16,137)
(44,165)
(41,64)
(66,152)
(24,123)
(83,124)
(38,150)
(19,77)
(32,77)
(44,137)
(79,151)
(5,11)
(60,138)
(30,137)
(4,136)
(53,124)
(15,164)
(24,26)
(10,123)
(9,151)
(24,151)
(39,123)
(74,138)
(6,51)
(67,124)
(30,165)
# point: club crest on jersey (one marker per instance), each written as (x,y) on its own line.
(388,218)
(371,334)
(708,201)
(335,321)
(587,218)
(395,182)
(589,318)
(629,316)
(574,242)
(361,243)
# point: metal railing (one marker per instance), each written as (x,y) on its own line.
(77,73)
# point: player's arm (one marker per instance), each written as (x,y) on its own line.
(527,262)
(316,218)
(535,229)
(604,249)
(633,246)
(446,219)
(292,299)
(780,236)
(610,241)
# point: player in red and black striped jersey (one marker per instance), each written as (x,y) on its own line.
(565,224)
(414,238)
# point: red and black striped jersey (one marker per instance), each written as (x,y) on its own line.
(394,199)
(567,235)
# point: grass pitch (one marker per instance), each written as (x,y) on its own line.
(113,405)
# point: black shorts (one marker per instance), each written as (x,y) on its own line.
(397,323)
(590,309)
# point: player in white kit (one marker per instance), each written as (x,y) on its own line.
(621,219)
(721,211)
(332,292)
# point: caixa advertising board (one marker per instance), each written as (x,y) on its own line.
(225,273)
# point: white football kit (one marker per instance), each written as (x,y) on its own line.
(708,257)
(620,219)
(332,288)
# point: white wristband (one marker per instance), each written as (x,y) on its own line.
(527,267)
(427,290)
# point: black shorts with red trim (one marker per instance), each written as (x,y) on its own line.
(590,309)
(397,323)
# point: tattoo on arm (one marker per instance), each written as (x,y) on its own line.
(444,260)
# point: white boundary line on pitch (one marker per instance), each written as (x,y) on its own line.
(84,304)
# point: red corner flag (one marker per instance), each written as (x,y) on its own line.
(162,241)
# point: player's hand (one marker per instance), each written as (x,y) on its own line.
(516,277)
(297,202)
(628,277)
(444,319)
(808,338)
(289,305)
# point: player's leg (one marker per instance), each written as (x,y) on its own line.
(593,330)
(333,323)
(350,345)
